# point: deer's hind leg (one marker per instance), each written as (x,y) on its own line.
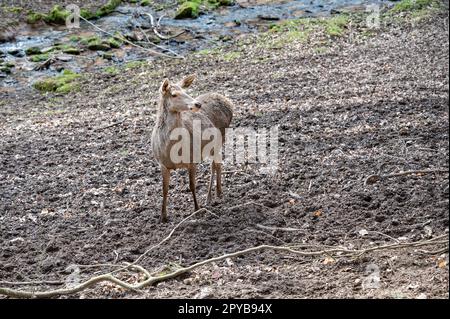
(192,173)
(211,182)
(218,168)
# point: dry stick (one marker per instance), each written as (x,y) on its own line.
(374,178)
(155,28)
(154,44)
(152,280)
(277,228)
(133,44)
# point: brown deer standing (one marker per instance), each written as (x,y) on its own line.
(178,110)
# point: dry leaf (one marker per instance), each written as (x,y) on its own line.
(317,213)
(329,261)
(442,263)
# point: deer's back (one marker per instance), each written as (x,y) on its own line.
(217,108)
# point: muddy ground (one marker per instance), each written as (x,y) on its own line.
(73,191)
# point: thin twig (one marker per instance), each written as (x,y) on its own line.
(277,228)
(375,178)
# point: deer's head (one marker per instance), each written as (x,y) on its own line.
(175,97)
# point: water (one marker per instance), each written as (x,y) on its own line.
(201,31)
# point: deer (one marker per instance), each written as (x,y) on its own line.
(178,112)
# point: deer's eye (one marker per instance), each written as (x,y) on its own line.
(174,94)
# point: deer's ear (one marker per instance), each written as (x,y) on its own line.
(187,81)
(165,86)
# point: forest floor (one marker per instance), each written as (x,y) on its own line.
(75,190)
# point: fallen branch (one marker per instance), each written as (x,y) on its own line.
(150,280)
(156,26)
(372,179)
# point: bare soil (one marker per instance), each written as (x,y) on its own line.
(71,193)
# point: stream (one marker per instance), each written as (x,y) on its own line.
(204,32)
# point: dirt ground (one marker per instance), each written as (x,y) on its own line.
(73,192)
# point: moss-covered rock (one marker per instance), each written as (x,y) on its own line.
(70,50)
(146,3)
(109,7)
(39,57)
(35,17)
(33,51)
(62,83)
(57,15)
(107,56)
(98,45)
(5,69)
(114,43)
(188,9)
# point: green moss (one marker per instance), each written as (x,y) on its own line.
(15,10)
(39,57)
(90,39)
(107,56)
(33,51)
(5,69)
(112,70)
(146,3)
(114,43)
(411,5)
(34,17)
(70,50)
(188,9)
(63,83)
(57,15)
(84,13)
(75,38)
(231,56)
(108,8)
(335,26)
(134,64)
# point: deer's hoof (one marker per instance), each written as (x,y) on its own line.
(163,219)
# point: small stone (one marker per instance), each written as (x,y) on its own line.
(64,58)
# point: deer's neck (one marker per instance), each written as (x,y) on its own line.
(166,119)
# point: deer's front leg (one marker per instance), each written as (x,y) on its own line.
(166,179)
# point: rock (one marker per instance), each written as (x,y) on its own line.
(71,50)
(17,53)
(187,10)
(98,46)
(33,51)
(64,58)
(268,17)
(226,2)
(107,56)
(47,50)
(5,69)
